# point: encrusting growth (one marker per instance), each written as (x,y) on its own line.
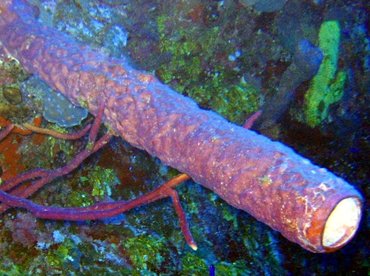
(249,171)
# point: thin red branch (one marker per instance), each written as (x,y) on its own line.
(23,177)
(182,219)
(102,210)
(47,176)
(251,119)
(99,210)
(59,135)
(20,130)
(96,124)
(14,195)
(42,176)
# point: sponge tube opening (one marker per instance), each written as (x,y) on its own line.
(342,223)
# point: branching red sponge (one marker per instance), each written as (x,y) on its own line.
(305,203)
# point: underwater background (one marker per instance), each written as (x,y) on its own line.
(304,63)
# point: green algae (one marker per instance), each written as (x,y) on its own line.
(327,85)
(102,181)
(79,199)
(237,101)
(94,184)
(60,256)
(145,253)
(193,265)
(193,72)
(231,216)
(236,268)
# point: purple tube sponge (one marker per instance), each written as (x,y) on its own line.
(305,203)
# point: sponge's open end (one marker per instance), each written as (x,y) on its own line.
(342,223)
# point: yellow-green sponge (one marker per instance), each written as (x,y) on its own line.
(327,86)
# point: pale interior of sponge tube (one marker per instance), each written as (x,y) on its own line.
(342,223)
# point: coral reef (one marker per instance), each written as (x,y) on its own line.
(229,241)
(232,161)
